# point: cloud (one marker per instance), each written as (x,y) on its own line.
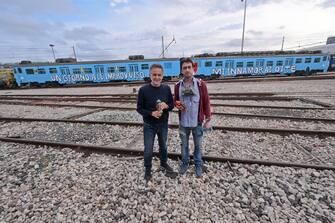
(37,6)
(114,3)
(84,33)
(255,32)
(327,4)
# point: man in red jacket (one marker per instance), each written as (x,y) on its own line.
(192,100)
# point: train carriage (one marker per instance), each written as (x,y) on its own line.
(137,68)
(231,66)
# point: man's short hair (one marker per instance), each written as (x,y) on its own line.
(156,65)
(185,60)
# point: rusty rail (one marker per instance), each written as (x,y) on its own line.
(223,128)
(88,149)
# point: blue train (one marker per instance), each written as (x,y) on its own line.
(69,71)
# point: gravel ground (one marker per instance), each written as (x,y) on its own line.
(328,100)
(40,184)
(119,136)
(279,86)
(294,103)
(265,146)
(24,111)
(133,116)
(216,143)
(330,114)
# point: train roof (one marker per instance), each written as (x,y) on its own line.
(195,57)
(96,62)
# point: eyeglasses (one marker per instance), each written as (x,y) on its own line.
(187,67)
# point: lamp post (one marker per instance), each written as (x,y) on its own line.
(245,11)
(53,52)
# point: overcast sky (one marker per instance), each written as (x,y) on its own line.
(114,29)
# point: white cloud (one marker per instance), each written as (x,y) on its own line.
(114,3)
(136,27)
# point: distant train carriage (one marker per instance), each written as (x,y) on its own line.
(231,66)
(206,65)
(92,71)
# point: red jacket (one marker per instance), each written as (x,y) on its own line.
(204,104)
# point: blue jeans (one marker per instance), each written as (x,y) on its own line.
(150,131)
(197,133)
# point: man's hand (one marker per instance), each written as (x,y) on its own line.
(180,106)
(163,106)
(207,123)
(156,114)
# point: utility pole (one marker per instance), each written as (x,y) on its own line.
(53,52)
(245,12)
(74,53)
(163,53)
(282,43)
(164,49)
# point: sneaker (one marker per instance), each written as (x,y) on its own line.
(147,175)
(183,168)
(198,170)
(166,167)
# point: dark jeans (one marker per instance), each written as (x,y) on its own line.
(197,133)
(150,131)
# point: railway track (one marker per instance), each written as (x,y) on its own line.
(88,149)
(223,128)
(133,99)
(225,80)
(133,108)
(126,101)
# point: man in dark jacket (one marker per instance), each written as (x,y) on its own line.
(154,103)
(192,101)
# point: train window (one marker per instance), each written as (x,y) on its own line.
(76,71)
(269,63)
(279,63)
(122,69)
(317,60)
(208,63)
(99,69)
(298,60)
(87,70)
(288,62)
(19,70)
(308,60)
(218,64)
(145,66)
(239,64)
(133,68)
(229,64)
(250,64)
(168,65)
(111,69)
(53,70)
(324,58)
(41,71)
(259,63)
(15,71)
(65,71)
(29,71)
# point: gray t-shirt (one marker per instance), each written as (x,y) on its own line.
(191,102)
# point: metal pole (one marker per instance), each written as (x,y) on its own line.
(282,43)
(245,11)
(163,53)
(53,52)
(74,53)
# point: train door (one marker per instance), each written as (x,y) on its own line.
(259,67)
(229,67)
(99,72)
(288,66)
(133,69)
